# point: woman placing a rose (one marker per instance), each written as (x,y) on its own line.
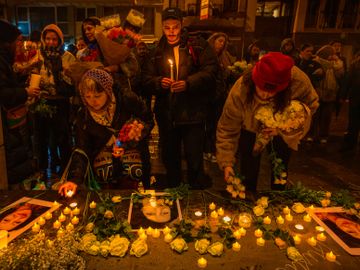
(106,111)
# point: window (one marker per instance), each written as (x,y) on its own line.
(312,13)
(23,20)
(231,5)
(62,19)
(330,13)
(83,13)
(350,12)
(41,16)
(274,8)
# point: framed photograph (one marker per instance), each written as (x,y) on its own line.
(342,227)
(153,209)
(19,216)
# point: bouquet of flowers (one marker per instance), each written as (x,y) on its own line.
(238,68)
(129,136)
(235,187)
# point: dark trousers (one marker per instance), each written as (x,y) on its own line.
(320,127)
(250,164)
(192,137)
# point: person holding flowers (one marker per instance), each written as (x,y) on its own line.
(110,120)
(274,82)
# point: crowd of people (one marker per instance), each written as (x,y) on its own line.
(95,99)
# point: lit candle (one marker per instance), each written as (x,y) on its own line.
(260,242)
(289,217)
(202,262)
(92,205)
(297,239)
(69,227)
(299,227)
(237,234)
(280,220)
(258,233)
(307,218)
(214,214)
(69,193)
(198,213)
(55,203)
(76,211)
(286,210)
(56,224)
(166,230)
(48,215)
(330,256)
(171,69)
(41,221)
(212,206)
(36,228)
(3,239)
(66,211)
(75,220)
(62,218)
(140,231)
(236,246)
(311,208)
(267,220)
(168,238)
(242,231)
(60,233)
(226,219)
(220,211)
(319,229)
(73,205)
(149,231)
(143,236)
(312,241)
(321,237)
(156,233)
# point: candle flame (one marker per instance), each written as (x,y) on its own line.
(70,193)
(170,62)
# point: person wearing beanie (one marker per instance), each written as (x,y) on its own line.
(14,113)
(182,76)
(253,53)
(288,48)
(106,109)
(274,81)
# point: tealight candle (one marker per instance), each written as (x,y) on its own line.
(289,217)
(66,211)
(258,233)
(149,231)
(76,211)
(60,233)
(166,230)
(56,224)
(220,211)
(212,206)
(286,210)
(299,227)
(226,219)
(237,234)
(143,236)
(236,246)
(319,229)
(62,218)
(73,205)
(311,208)
(280,220)
(321,237)
(69,227)
(168,238)
(75,220)
(3,239)
(55,203)
(140,231)
(202,262)
(311,241)
(48,215)
(260,242)
(92,205)
(156,233)
(297,239)
(35,228)
(307,218)
(330,256)
(242,231)
(267,220)
(198,213)
(214,214)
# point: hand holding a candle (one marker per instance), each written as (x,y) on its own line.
(65,189)
(166,83)
(178,86)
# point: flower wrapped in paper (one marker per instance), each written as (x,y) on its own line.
(238,68)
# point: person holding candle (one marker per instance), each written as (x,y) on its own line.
(182,103)
(273,81)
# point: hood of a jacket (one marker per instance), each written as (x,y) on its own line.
(53,28)
(286,41)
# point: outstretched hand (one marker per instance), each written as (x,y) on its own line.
(228,171)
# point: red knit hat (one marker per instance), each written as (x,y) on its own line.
(273,72)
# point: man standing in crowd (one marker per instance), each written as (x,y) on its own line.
(182,77)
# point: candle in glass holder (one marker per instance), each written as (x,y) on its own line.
(56,224)
(220,211)
(48,215)
(143,236)
(237,234)
(321,237)
(267,220)
(202,262)
(258,233)
(212,206)
(198,213)
(156,233)
(289,217)
(75,220)
(236,246)
(149,230)
(307,218)
(166,230)
(140,231)
(92,205)
(330,256)
(297,239)
(60,233)
(226,219)
(70,227)
(34,80)
(311,241)
(62,218)
(260,242)
(41,221)
(35,228)
(66,211)
(3,239)
(76,211)
(168,238)
(280,220)
(242,231)
(214,214)
(299,227)
(286,210)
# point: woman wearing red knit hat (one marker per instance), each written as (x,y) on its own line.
(274,82)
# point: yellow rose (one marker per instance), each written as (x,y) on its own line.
(263,201)
(229,188)
(119,246)
(280,243)
(277,182)
(179,245)
(258,210)
(202,245)
(116,199)
(87,240)
(89,227)
(298,208)
(105,248)
(357,205)
(93,249)
(234,193)
(138,248)
(325,202)
(216,249)
(108,214)
(328,194)
(293,254)
(242,195)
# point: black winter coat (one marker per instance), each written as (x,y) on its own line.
(197,66)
